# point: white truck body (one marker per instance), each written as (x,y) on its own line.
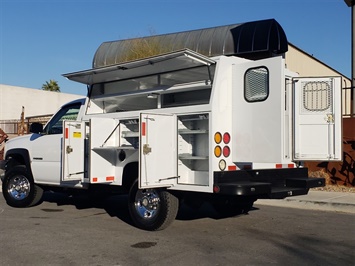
(184,122)
(275,132)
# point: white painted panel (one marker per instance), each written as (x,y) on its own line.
(104,135)
(259,126)
(317,119)
(158,150)
(73,150)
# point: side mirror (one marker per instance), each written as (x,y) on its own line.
(36,128)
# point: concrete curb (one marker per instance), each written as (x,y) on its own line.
(316,200)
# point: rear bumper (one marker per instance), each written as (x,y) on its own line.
(265,183)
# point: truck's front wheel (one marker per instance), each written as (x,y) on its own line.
(152,209)
(19,189)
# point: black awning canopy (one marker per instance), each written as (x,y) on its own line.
(251,40)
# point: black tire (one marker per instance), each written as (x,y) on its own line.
(19,189)
(152,209)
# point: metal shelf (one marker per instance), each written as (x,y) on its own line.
(130,134)
(192,131)
(192,157)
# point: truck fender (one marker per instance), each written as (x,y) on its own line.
(129,175)
(18,157)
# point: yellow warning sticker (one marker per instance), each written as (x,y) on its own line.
(76,134)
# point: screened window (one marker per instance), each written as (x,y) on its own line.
(256,84)
(316,96)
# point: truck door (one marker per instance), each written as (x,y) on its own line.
(317,119)
(158,150)
(73,150)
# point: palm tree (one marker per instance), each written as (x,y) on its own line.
(52,85)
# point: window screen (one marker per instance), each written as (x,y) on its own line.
(256,84)
(317,96)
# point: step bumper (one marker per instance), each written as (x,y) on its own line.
(265,183)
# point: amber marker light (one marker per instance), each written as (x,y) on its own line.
(217,151)
(218,137)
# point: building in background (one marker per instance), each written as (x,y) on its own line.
(35,102)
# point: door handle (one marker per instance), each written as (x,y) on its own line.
(146,149)
(330,118)
(69,149)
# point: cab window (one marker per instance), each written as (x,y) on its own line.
(55,125)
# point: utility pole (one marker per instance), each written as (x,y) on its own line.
(351,4)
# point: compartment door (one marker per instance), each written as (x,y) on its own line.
(73,150)
(317,119)
(104,135)
(158,150)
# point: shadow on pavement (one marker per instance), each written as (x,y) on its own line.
(116,206)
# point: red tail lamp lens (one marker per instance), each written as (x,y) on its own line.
(226,138)
(226,151)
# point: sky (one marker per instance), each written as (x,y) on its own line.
(43,39)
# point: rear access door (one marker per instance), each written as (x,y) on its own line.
(317,119)
(157,150)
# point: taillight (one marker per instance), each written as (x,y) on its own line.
(226,138)
(222,165)
(226,151)
(218,151)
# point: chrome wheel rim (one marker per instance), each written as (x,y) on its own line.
(18,187)
(147,203)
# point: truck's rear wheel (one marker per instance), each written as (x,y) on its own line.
(19,189)
(152,209)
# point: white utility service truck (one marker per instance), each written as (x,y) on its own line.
(181,127)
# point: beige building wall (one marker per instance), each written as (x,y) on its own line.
(36,102)
(308,66)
